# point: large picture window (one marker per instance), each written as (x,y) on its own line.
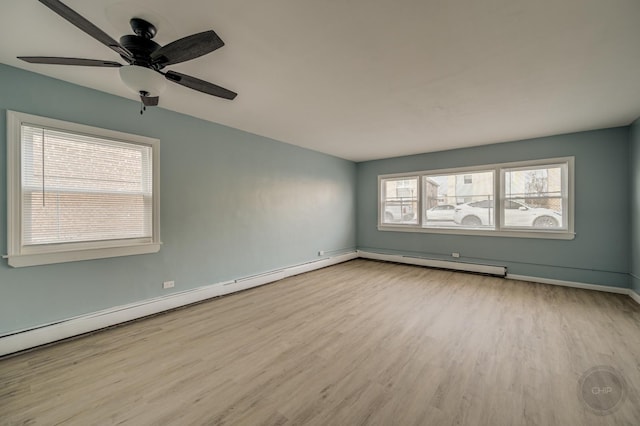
(523,199)
(77,192)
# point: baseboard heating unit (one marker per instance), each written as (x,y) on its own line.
(47,333)
(498,271)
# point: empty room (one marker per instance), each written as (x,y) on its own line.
(320,213)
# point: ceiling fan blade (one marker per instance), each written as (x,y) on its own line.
(76,19)
(200,85)
(69,61)
(150,100)
(187,48)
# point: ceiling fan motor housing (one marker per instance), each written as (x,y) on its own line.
(141,48)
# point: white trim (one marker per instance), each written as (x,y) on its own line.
(574,284)
(32,259)
(47,333)
(382,199)
(434,263)
(20,255)
(549,235)
(480,167)
(567,232)
(489,270)
(14,171)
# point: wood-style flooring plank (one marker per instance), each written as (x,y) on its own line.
(362,342)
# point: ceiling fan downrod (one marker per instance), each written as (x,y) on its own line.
(143,107)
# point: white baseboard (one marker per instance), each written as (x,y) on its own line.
(433,263)
(47,333)
(596,287)
(496,270)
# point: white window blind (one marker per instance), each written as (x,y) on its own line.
(78,188)
(77,192)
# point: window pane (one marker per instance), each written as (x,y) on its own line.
(400,200)
(78,188)
(534,197)
(464,200)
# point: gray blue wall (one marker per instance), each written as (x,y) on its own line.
(236,204)
(635,204)
(597,255)
(233,204)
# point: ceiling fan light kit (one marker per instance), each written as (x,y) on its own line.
(141,79)
(145,57)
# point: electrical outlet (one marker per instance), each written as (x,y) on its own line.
(321,253)
(168,284)
(455,254)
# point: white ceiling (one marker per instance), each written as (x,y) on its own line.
(368,79)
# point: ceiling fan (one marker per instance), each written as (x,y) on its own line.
(145,57)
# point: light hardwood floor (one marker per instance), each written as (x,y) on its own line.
(362,342)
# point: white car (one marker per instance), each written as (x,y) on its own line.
(441,213)
(402,213)
(480,213)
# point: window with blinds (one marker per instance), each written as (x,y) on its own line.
(81,188)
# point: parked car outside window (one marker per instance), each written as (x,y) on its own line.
(399,213)
(516,214)
(443,212)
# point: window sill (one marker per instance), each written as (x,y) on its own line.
(22,260)
(550,235)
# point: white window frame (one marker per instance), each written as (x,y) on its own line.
(564,233)
(382,199)
(20,255)
(565,166)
